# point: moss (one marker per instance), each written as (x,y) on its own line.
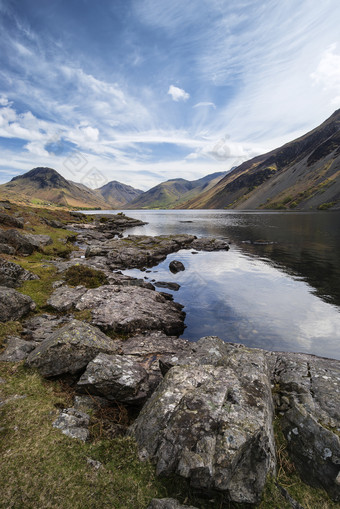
(86,276)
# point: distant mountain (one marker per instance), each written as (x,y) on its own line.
(117,194)
(172,193)
(45,185)
(303,174)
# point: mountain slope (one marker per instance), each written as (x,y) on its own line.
(47,185)
(117,194)
(302,174)
(172,193)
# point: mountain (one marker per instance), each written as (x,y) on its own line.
(172,193)
(117,194)
(302,174)
(45,185)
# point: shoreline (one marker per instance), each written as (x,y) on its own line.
(151,365)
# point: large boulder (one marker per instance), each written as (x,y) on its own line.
(132,309)
(14,222)
(14,305)
(13,275)
(115,377)
(176,266)
(69,349)
(212,423)
(38,241)
(308,397)
(19,242)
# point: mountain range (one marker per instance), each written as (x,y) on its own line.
(302,174)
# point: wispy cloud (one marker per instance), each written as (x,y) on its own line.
(205,104)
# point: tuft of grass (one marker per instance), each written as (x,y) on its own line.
(9,329)
(86,276)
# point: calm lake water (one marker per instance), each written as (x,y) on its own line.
(278,287)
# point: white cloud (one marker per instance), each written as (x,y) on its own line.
(206,104)
(178,94)
(327,73)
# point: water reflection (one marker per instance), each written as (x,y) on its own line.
(261,295)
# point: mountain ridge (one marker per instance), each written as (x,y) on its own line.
(301,174)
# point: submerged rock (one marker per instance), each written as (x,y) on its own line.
(69,349)
(14,305)
(212,424)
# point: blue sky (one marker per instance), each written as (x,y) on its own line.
(141,91)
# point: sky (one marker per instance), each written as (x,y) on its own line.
(142,91)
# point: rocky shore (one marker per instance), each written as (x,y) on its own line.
(205,410)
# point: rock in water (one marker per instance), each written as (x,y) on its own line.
(14,305)
(212,424)
(176,266)
(69,349)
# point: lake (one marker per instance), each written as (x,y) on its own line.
(278,287)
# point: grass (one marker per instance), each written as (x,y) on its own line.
(42,468)
(9,329)
(86,276)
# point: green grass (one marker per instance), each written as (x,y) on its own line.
(42,468)
(86,276)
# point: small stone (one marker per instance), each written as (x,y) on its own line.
(176,266)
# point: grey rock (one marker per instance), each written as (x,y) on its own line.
(309,398)
(38,241)
(12,221)
(169,285)
(167,503)
(213,425)
(14,305)
(6,248)
(132,309)
(139,250)
(42,326)
(176,266)
(54,223)
(17,349)
(115,377)
(69,349)
(18,241)
(65,298)
(13,275)
(73,423)
(210,244)
(96,465)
